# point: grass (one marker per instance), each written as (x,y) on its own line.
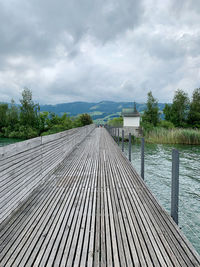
(173,136)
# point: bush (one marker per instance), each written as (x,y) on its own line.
(85,119)
(166,124)
(147,127)
(116,122)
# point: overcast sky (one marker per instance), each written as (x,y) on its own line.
(94,50)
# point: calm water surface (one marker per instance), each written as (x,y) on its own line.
(8,141)
(158,179)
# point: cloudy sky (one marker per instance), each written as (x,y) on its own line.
(93,50)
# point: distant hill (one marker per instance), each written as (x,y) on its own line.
(100,112)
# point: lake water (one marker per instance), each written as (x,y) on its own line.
(158,164)
(8,141)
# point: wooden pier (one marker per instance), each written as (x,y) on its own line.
(93,210)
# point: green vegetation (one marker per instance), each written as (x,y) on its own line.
(182,120)
(100,112)
(173,136)
(177,113)
(116,122)
(194,112)
(151,114)
(181,124)
(27,121)
(183,113)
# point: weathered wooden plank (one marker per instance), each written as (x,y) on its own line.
(17,160)
(83,241)
(85,248)
(74,249)
(126,235)
(27,164)
(72,236)
(18,148)
(49,246)
(56,254)
(92,209)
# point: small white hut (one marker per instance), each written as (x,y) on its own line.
(131,118)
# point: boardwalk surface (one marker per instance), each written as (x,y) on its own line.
(94,211)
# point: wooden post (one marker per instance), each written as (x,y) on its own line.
(122,140)
(129,146)
(175,185)
(142,158)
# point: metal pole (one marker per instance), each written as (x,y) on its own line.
(118,136)
(175,185)
(129,146)
(122,140)
(142,158)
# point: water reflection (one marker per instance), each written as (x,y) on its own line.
(8,141)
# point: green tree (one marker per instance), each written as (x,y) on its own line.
(194,113)
(27,122)
(167,112)
(29,111)
(53,119)
(3,116)
(43,117)
(13,116)
(151,114)
(180,108)
(66,121)
(85,119)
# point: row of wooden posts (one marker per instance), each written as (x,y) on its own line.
(114,132)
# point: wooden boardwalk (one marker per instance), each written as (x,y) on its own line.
(94,211)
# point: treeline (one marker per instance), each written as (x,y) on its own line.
(182,113)
(26,121)
(182,120)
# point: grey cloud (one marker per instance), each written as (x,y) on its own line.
(181,6)
(102,19)
(36,27)
(97,50)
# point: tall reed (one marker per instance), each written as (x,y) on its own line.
(174,136)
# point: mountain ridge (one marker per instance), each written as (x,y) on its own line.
(100,112)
